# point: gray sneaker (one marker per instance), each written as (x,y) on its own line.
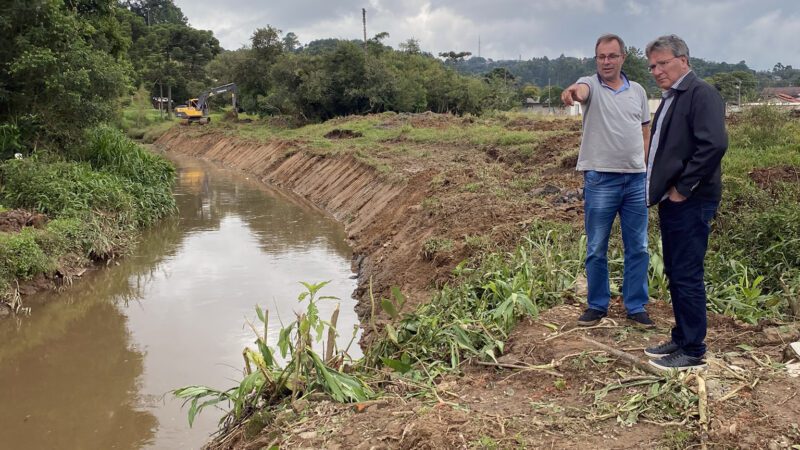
(678,360)
(661,350)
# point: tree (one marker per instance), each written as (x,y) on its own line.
(61,73)
(733,85)
(551,96)
(175,56)
(635,66)
(155,12)
(291,43)
(531,91)
(411,46)
(267,43)
(452,56)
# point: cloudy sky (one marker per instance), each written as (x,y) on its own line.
(760,32)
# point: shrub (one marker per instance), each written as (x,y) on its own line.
(761,127)
(21,256)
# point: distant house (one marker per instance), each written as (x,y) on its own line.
(781,94)
(161,102)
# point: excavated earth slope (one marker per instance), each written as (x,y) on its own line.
(474,199)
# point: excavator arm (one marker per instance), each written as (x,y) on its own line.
(202,100)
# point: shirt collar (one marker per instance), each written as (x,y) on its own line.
(625,83)
(671,91)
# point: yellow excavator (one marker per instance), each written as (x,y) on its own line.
(197,109)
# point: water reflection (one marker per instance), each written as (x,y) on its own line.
(90,368)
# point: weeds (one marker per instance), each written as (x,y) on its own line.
(95,204)
(267,383)
(436,245)
(763,126)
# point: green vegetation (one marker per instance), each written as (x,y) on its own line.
(97,195)
(268,383)
(751,271)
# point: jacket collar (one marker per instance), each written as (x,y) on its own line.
(688,79)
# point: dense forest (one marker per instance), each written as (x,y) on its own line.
(65,65)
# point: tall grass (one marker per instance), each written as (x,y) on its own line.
(107,190)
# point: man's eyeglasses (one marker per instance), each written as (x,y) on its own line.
(611,58)
(661,64)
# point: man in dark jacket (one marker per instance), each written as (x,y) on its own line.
(684,180)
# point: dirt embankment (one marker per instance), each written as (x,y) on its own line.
(440,203)
(373,211)
(409,228)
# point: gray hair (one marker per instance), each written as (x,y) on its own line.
(671,42)
(610,37)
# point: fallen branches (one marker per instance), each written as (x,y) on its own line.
(627,357)
(602,325)
(545,368)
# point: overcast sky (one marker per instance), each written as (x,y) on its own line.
(760,32)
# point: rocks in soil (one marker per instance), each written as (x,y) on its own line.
(561,196)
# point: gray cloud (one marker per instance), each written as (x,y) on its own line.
(761,33)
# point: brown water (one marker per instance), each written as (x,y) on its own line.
(92,366)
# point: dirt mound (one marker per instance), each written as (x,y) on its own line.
(343,134)
(767,177)
(15,219)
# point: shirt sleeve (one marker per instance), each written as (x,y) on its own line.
(588,82)
(645,106)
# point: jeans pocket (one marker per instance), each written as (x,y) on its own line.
(592,177)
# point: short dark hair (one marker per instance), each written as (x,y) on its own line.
(671,42)
(610,37)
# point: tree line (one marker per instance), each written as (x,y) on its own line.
(65,65)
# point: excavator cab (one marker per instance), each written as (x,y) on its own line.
(197,108)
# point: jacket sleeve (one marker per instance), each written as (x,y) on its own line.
(707,119)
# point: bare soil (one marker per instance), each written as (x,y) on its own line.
(494,193)
(14,220)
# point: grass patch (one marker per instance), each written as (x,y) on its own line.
(97,196)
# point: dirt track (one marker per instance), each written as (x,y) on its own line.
(389,220)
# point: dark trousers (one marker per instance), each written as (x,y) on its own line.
(685,227)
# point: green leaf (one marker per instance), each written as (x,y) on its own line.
(396,365)
(260,313)
(392,333)
(745,347)
(398,296)
(388,306)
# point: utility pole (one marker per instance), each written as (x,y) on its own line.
(739,90)
(364,22)
(479,46)
(160,100)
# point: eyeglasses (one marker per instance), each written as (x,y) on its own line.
(611,58)
(661,64)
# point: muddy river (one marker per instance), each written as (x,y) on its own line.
(92,366)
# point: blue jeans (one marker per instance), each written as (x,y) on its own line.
(685,227)
(607,194)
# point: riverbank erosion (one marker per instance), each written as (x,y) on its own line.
(62,211)
(411,220)
(478,221)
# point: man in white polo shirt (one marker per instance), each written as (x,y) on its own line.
(616,133)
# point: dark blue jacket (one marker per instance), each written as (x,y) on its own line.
(691,143)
